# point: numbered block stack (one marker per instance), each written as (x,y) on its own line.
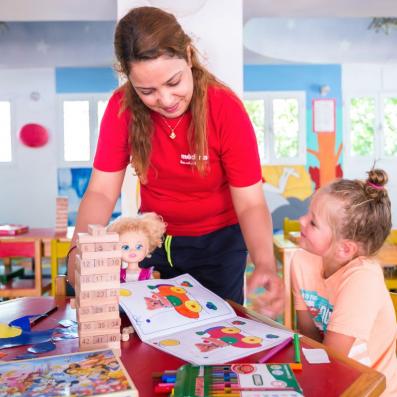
(97,288)
(61,215)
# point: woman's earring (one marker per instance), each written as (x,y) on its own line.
(148,255)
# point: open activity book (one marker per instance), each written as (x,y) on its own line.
(183,318)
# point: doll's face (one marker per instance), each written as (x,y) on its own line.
(134,246)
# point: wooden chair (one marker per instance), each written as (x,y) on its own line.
(60,286)
(59,250)
(19,287)
(290,225)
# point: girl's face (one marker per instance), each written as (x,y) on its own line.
(134,246)
(316,232)
(164,85)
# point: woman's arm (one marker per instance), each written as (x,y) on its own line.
(256,225)
(306,325)
(96,206)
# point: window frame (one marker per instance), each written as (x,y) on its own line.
(378,154)
(93,99)
(13,133)
(269,152)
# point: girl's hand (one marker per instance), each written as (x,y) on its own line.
(271,301)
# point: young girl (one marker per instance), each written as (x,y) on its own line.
(339,290)
(139,236)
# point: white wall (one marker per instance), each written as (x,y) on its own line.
(28,184)
(369,79)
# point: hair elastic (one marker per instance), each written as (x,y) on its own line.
(375,186)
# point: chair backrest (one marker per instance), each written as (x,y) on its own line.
(28,248)
(291,225)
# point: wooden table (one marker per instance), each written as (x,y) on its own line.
(342,377)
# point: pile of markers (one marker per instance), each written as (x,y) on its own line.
(164,382)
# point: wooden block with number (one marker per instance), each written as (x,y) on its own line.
(96,230)
(108,246)
(87,247)
(91,327)
(99,339)
(100,254)
(97,285)
(111,307)
(115,346)
(97,316)
(98,266)
(103,238)
(97,278)
(88,298)
(102,331)
(92,302)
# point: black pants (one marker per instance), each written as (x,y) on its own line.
(217,260)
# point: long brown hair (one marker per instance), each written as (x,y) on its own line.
(366,210)
(147,33)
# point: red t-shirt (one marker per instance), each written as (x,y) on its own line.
(192,205)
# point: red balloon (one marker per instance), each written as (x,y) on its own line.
(33,135)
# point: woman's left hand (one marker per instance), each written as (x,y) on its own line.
(271,301)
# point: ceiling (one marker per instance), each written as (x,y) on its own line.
(283,31)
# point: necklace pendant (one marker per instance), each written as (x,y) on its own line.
(172,135)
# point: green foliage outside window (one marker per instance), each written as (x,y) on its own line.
(286,127)
(390,126)
(362,129)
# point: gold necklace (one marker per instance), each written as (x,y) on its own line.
(172,135)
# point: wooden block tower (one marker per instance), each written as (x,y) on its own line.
(97,287)
(61,215)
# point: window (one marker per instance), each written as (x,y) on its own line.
(279,123)
(81,119)
(5,132)
(372,126)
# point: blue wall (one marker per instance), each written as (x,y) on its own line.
(85,80)
(308,78)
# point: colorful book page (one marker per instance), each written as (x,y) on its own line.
(160,307)
(220,341)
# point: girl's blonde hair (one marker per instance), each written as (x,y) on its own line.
(366,214)
(147,33)
(150,224)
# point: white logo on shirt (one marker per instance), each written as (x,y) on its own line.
(190,159)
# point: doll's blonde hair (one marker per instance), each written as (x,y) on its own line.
(150,224)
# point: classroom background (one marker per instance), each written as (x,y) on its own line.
(319,82)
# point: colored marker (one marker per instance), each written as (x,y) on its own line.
(274,351)
(297,349)
(163,388)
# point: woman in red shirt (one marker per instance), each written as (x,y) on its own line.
(194,150)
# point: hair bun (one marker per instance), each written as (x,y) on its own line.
(375,184)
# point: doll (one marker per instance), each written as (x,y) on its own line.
(139,236)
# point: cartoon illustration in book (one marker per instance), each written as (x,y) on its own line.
(80,374)
(226,336)
(168,295)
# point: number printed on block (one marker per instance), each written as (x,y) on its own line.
(107,246)
(99,339)
(99,325)
(98,278)
(100,294)
(97,266)
(97,309)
